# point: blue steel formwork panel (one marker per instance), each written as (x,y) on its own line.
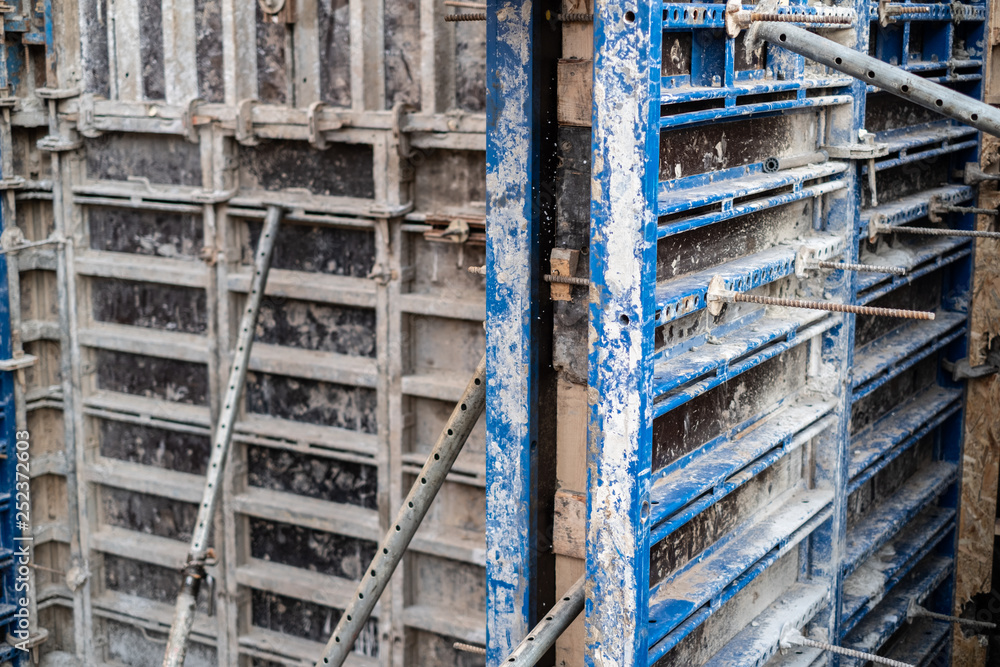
(9,594)
(515,317)
(622,323)
(692,558)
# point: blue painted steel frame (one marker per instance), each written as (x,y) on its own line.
(631,109)
(626,139)
(8,438)
(513,321)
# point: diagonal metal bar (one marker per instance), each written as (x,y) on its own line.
(538,642)
(899,82)
(194,569)
(418,501)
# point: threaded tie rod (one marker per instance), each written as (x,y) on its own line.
(791,17)
(799,640)
(455,18)
(718,295)
(740,297)
(862,268)
(915,610)
(548,277)
(880,228)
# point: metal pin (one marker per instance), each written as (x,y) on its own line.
(876,227)
(719,295)
(774,164)
(548,277)
(916,610)
(862,268)
(792,637)
(32,244)
(453,18)
(575,18)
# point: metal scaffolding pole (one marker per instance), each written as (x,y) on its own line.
(418,501)
(875,72)
(538,642)
(194,569)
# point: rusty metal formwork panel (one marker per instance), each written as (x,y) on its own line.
(150,137)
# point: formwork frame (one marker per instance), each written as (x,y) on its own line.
(213,104)
(873,478)
(520,208)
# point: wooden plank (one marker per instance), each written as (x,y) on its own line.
(981,460)
(578,37)
(569,531)
(576,92)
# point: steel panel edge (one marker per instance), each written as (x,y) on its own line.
(627,40)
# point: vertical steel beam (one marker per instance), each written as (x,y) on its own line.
(518,579)
(828,543)
(626,142)
(9,409)
(194,570)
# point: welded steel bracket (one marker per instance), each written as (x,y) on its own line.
(189,119)
(58,93)
(865,149)
(876,226)
(316,137)
(962,12)
(86,117)
(244,123)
